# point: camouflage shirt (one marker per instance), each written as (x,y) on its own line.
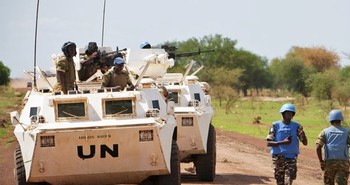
(87,70)
(65,65)
(112,79)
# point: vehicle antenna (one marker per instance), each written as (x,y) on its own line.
(35,41)
(103,21)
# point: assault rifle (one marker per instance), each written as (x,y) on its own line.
(105,58)
(172,54)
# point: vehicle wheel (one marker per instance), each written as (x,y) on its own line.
(20,173)
(174,178)
(206,163)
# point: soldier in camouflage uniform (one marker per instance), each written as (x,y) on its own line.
(65,68)
(117,77)
(283,140)
(335,141)
(88,62)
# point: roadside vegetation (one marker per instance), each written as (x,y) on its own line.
(254,115)
(10,100)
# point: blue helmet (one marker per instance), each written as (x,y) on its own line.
(145,45)
(118,60)
(335,115)
(287,107)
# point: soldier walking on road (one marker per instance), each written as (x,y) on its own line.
(283,140)
(335,140)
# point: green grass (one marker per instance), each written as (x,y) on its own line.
(3,132)
(9,100)
(312,115)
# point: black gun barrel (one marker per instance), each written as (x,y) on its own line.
(188,54)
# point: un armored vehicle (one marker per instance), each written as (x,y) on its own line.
(95,135)
(196,136)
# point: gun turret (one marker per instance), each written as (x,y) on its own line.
(171,50)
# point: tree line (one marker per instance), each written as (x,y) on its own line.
(309,71)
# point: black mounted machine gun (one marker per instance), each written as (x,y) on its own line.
(171,50)
(104,56)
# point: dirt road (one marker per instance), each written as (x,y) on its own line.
(241,160)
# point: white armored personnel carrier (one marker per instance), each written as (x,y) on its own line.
(96,135)
(196,136)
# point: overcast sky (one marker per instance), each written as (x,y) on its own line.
(268,28)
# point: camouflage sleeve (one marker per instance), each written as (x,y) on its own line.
(271,135)
(62,64)
(321,139)
(105,79)
(128,80)
(301,134)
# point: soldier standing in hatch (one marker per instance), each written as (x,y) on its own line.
(283,140)
(65,68)
(89,62)
(117,77)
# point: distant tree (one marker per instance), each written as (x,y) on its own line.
(225,94)
(322,84)
(318,58)
(4,74)
(342,88)
(255,71)
(276,71)
(341,93)
(220,79)
(344,73)
(254,68)
(294,75)
(299,64)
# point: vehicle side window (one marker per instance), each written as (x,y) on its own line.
(155,104)
(66,109)
(197,96)
(118,107)
(33,111)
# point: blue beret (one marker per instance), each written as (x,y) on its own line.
(145,45)
(118,60)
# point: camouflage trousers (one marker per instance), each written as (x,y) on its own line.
(336,171)
(285,169)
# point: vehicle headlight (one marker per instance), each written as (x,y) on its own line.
(145,135)
(47,141)
(187,121)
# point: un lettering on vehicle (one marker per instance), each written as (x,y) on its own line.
(101,151)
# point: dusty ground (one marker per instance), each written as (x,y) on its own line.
(241,160)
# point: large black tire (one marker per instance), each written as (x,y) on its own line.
(20,172)
(174,178)
(206,163)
